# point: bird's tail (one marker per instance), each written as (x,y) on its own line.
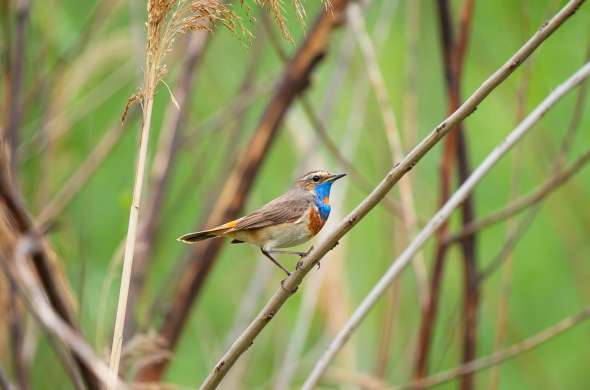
(190,238)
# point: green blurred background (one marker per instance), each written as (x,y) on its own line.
(80,93)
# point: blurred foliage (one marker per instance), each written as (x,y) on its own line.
(81,68)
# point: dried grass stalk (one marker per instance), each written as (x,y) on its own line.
(166,20)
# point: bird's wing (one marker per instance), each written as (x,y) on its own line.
(287,208)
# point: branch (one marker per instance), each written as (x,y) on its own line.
(472,366)
(552,184)
(437,220)
(26,247)
(295,79)
(501,356)
(17,219)
(395,174)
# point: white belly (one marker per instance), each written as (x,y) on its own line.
(279,236)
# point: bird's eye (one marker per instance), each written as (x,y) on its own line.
(316,178)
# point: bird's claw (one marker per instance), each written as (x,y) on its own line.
(299,265)
(307,252)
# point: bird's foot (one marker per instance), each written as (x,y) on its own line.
(307,252)
(302,255)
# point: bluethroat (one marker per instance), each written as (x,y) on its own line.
(289,220)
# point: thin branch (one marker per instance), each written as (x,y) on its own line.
(437,220)
(19,221)
(518,205)
(295,79)
(511,240)
(470,367)
(290,285)
(501,356)
(50,319)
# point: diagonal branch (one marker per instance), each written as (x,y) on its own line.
(520,204)
(437,220)
(501,356)
(19,220)
(472,366)
(26,247)
(290,285)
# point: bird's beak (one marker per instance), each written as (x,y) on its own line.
(333,178)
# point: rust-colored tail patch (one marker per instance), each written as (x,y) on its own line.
(206,234)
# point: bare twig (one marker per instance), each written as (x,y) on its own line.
(295,79)
(437,220)
(503,355)
(46,270)
(470,367)
(518,205)
(394,175)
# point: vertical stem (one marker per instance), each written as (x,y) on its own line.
(132,229)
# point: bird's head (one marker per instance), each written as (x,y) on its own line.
(318,182)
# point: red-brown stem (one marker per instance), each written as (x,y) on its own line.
(295,79)
(455,151)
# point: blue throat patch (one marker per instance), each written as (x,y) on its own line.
(322,191)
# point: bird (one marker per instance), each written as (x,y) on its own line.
(289,220)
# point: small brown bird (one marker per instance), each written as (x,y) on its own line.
(286,221)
